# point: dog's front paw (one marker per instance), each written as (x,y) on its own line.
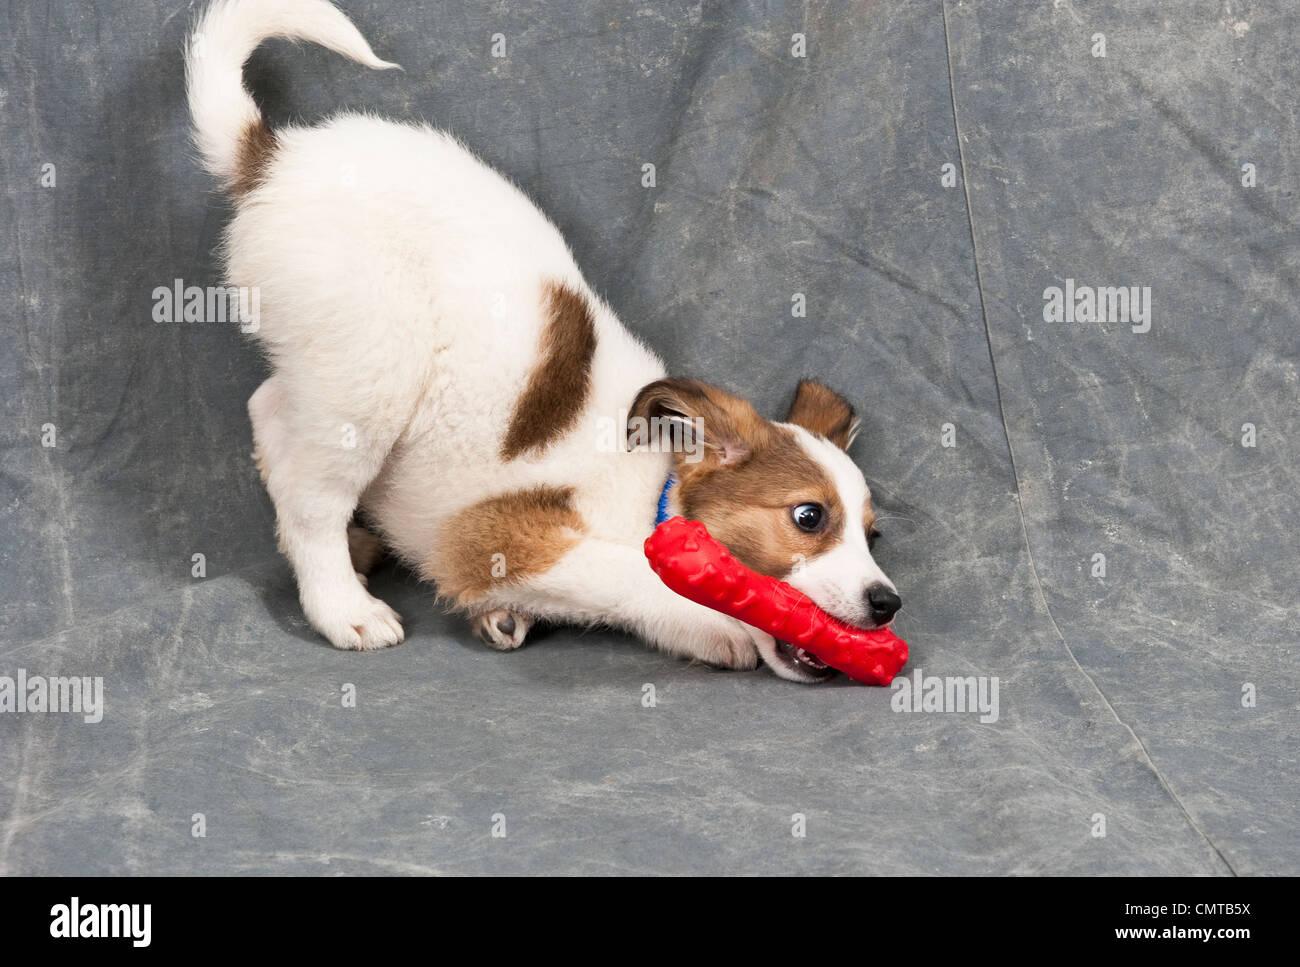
(503,630)
(355,622)
(729,644)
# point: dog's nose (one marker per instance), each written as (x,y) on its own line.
(883,602)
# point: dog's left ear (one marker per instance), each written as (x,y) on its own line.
(821,410)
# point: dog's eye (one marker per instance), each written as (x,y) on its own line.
(807,517)
(872,536)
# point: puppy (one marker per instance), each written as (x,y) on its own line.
(442,371)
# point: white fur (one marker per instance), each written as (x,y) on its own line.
(401,290)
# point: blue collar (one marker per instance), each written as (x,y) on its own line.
(662,514)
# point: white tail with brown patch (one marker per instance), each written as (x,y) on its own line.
(223,111)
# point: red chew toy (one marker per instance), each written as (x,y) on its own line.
(693,564)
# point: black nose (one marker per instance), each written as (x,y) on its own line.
(883,602)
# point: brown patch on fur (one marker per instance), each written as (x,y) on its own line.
(558,388)
(819,409)
(253,160)
(751,475)
(531,530)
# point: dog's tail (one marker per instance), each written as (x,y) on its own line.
(229,130)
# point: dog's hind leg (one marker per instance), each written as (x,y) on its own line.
(316,464)
(265,409)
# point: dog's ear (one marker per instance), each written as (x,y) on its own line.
(821,410)
(719,429)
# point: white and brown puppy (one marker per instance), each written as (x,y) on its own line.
(441,367)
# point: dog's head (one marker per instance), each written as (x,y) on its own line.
(784,498)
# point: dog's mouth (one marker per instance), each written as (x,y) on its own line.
(797,664)
(801,664)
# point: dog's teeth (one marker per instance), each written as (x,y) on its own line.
(808,659)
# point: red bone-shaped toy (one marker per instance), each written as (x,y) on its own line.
(696,566)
